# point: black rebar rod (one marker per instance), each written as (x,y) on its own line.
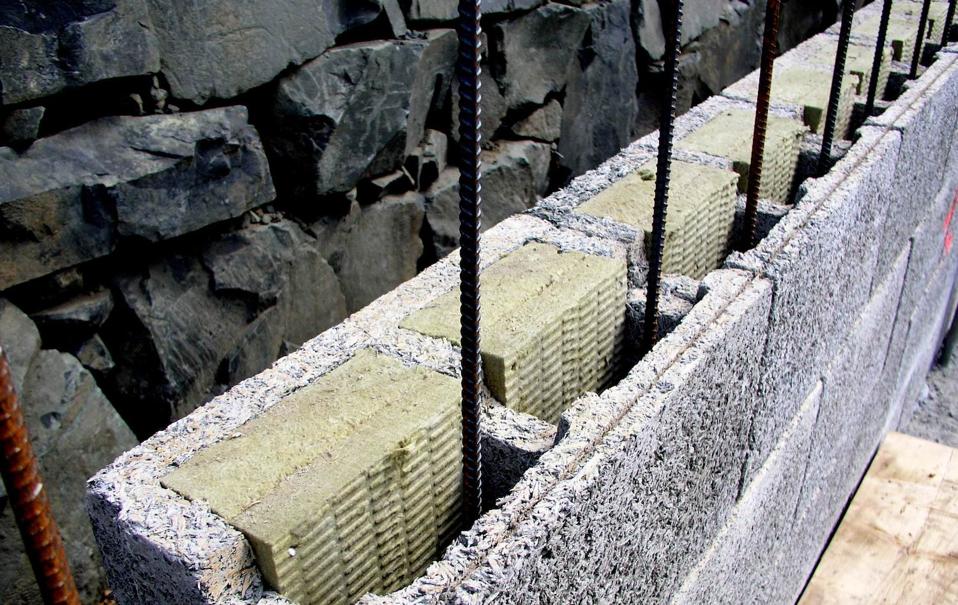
(662,176)
(879,57)
(920,40)
(838,80)
(468,71)
(763,100)
(949,19)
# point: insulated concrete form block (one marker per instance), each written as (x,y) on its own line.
(729,135)
(852,416)
(932,244)
(902,28)
(641,481)
(754,558)
(821,258)
(926,117)
(926,328)
(804,86)
(350,485)
(820,52)
(158,547)
(553,326)
(700,218)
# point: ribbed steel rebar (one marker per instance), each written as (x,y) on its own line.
(773,13)
(28,500)
(949,20)
(838,79)
(662,177)
(468,71)
(877,61)
(920,40)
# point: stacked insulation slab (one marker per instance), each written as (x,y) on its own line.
(552,326)
(348,486)
(822,50)
(699,222)
(807,87)
(903,26)
(729,135)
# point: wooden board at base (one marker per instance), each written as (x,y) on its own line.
(898,541)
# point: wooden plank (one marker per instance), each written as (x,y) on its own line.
(898,541)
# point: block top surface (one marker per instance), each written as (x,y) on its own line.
(334,429)
(729,135)
(631,200)
(524,293)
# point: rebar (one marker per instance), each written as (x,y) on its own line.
(763,101)
(879,56)
(920,40)
(662,177)
(28,500)
(949,20)
(468,71)
(838,80)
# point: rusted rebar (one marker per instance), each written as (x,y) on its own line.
(920,40)
(838,80)
(877,60)
(468,71)
(663,175)
(763,100)
(28,500)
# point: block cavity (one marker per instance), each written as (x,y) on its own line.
(699,221)
(553,325)
(350,485)
(729,135)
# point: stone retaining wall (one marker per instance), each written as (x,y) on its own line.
(717,466)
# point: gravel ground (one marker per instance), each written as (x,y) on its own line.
(936,418)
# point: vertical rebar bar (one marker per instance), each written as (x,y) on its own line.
(838,80)
(663,175)
(763,100)
(949,19)
(28,500)
(920,40)
(877,61)
(468,71)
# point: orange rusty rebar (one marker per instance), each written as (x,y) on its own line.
(28,500)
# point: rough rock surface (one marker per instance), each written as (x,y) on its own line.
(537,51)
(74,431)
(600,102)
(374,248)
(514,175)
(46,47)
(20,127)
(356,111)
(189,325)
(218,48)
(70,197)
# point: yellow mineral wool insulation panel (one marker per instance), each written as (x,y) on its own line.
(350,485)
(729,135)
(808,88)
(820,52)
(552,326)
(699,221)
